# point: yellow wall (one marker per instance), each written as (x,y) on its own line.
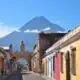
(75,44)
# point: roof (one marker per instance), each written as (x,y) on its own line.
(2,51)
(69,35)
(51,38)
(5,47)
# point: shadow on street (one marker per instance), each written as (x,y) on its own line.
(14,76)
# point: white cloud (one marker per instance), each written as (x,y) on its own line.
(61,31)
(46,29)
(27,30)
(5,29)
(36,30)
(32,31)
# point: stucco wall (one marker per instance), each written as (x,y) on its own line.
(49,59)
(47,62)
(44,66)
(75,44)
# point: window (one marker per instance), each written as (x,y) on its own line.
(73,61)
(62,62)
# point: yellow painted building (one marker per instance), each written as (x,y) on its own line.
(69,48)
(75,45)
(70,60)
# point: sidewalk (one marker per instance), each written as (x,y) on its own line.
(44,77)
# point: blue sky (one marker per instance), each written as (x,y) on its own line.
(15,13)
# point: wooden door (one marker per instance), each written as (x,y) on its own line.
(68,66)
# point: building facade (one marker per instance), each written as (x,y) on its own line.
(45,40)
(2,60)
(71,57)
(35,60)
(66,58)
(53,64)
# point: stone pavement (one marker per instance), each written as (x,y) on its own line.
(34,76)
(3,77)
(44,77)
(24,76)
(12,76)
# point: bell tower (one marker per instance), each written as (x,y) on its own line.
(22,47)
(10,50)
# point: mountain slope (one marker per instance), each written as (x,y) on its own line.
(41,23)
(29,38)
(15,39)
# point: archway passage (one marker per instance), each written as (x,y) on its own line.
(68,66)
(24,63)
(23,59)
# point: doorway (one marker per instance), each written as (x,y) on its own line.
(68,66)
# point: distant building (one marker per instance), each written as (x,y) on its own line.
(7,51)
(3,59)
(9,60)
(26,55)
(10,50)
(45,40)
(2,55)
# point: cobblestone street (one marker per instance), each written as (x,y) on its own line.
(13,76)
(32,76)
(22,76)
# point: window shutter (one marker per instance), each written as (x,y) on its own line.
(53,63)
(73,57)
